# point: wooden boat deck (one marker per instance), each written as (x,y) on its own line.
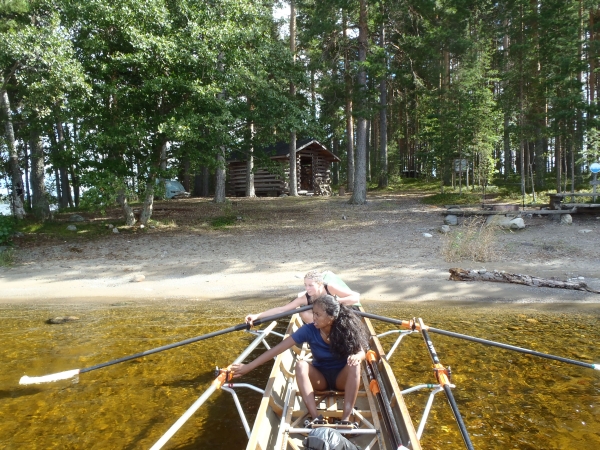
(282,408)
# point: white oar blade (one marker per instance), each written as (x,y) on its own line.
(597,366)
(49,378)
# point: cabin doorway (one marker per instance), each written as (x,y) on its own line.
(306,173)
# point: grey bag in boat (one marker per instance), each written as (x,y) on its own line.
(327,439)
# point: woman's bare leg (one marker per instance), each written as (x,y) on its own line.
(348,380)
(307,378)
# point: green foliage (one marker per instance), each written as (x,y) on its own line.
(452,199)
(472,240)
(58,229)
(7,257)
(7,228)
(103,191)
(223,221)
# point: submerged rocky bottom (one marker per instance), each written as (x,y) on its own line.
(507,400)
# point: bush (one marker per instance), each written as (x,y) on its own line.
(7,228)
(452,199)
(223,221)
(473,241)
(7,258)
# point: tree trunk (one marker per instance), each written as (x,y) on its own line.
(197,191)
(359,193)
(220,172)
(506,140)
(220,177)
(163,159)
(205,180)
(457,274)
(39,201)
(185,178)
(349,118)
(128,210)
(507,152)
(335,172)
(66,199)
(250,164)
(148,203)
(27,180)
(13,157)
(293,178)
(75,184)
(383,149)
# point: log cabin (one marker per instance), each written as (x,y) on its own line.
(313,169)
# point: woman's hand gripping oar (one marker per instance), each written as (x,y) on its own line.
(410,325)
(72,373)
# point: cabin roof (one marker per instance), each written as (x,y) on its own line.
(280,150)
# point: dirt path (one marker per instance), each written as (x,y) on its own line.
(378,249)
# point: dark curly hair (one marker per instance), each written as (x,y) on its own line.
(348,335)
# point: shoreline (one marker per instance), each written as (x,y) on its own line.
(388,250)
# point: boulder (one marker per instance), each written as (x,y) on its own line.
(508,223)
(115,230)
(138,278)
(451,219)
(61,319)
(517,223)
(427,235)
(585,231)
(445,229)
(76,218)
(566,219)
(72,228)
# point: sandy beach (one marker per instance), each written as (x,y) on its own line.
(378,249)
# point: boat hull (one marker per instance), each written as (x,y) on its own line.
(282,413)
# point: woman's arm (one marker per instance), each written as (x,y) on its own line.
(356,359)
(297,303)
(345,296)
(243,369)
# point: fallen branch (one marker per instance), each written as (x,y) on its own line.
(457,274)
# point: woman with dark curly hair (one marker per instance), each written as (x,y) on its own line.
(338,342)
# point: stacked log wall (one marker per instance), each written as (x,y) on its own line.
(321,176)
(265,182)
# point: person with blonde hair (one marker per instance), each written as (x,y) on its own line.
(316,284)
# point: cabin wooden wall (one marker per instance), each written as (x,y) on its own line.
(266,183)
(321,176)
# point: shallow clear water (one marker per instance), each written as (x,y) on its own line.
(507,400)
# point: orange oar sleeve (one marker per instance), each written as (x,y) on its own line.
(441,373)
(224,376)
(374,387)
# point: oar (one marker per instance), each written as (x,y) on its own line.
(71,373)
(216,384)
(409,324)
(441,374)
(378,389)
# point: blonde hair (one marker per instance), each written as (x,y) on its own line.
(314,275)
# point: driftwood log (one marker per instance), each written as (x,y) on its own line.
(457,274)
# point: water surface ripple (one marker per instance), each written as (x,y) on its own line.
(507,400)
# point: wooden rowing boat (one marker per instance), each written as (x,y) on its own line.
(280,419)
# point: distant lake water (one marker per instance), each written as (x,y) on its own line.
(4,209)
